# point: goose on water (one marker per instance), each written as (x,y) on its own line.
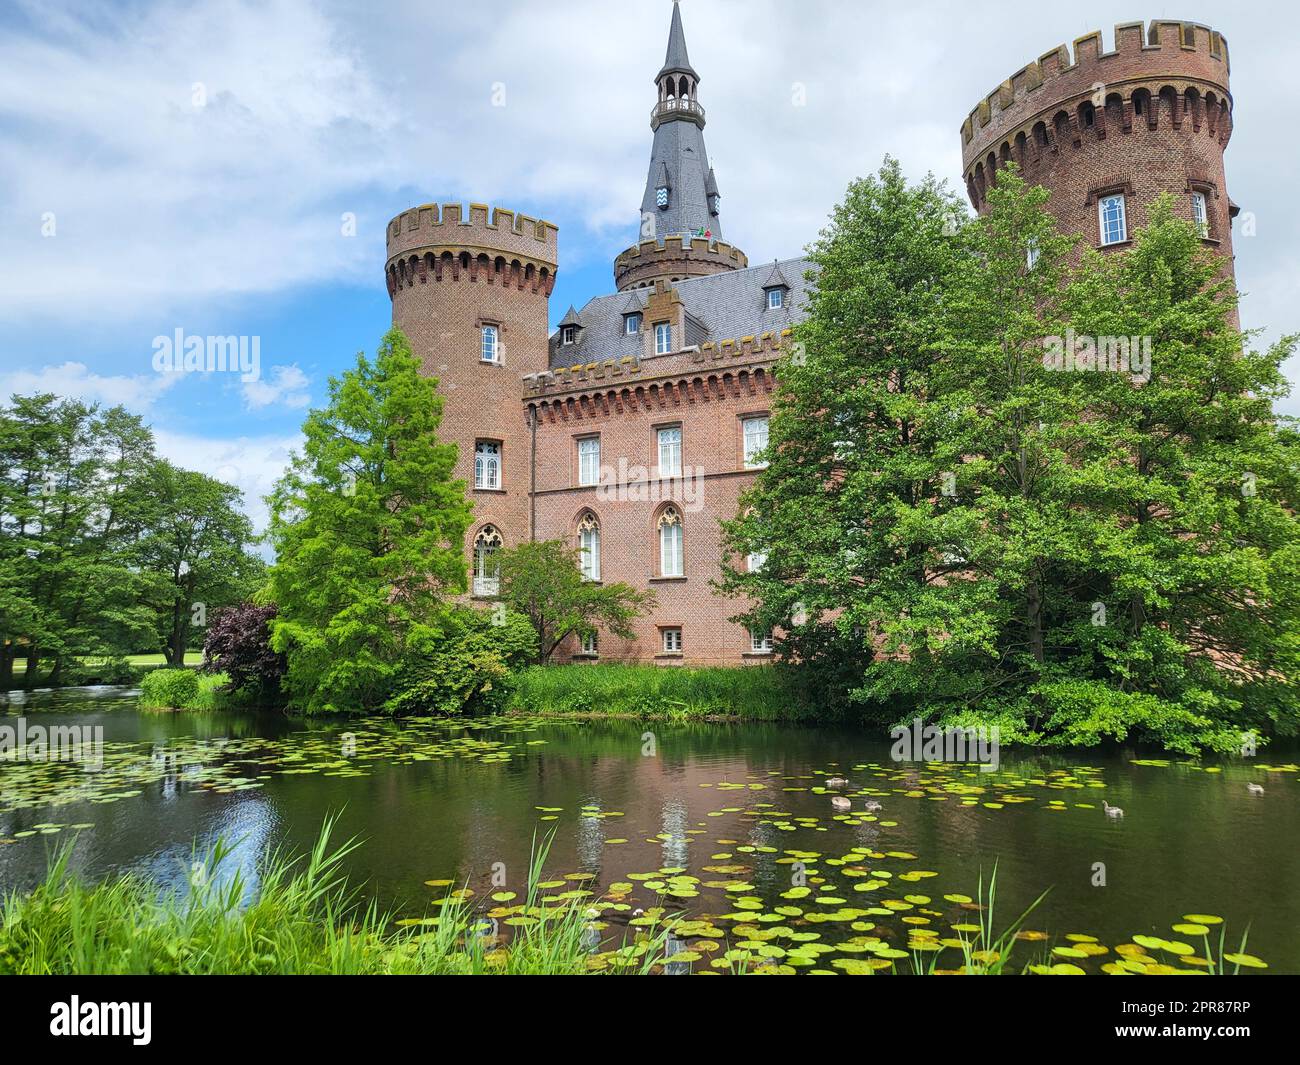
(1111,811)
(841,803)
(835,782)
(1255,789)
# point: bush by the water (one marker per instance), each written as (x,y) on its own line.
(469,669)
(238,644)
(759,693)
(301,918)
(179,689)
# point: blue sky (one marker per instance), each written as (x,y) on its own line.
(170,165)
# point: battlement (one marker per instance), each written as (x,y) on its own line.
(678,245)
(607,373)
(446,226)
(1186,54)
(675,258)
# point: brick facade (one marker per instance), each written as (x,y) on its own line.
(1153,115)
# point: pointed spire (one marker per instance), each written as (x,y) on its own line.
(676,60)
(571,317)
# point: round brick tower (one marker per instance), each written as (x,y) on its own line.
(471,293)
(1110,131)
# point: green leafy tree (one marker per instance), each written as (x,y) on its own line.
(368,525)
(197,549)
(73,496)
(542,580)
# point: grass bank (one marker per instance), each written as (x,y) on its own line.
(766,693)
(301,919)
(181,689)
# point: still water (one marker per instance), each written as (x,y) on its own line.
(708,819)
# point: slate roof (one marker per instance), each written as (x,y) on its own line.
(675,59)
(718,307)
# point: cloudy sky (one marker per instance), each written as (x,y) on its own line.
(192,166)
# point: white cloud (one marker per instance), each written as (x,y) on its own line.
(287,385)
(75,380)
(315,109)
(250,463)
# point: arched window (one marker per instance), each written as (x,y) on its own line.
(671,561)
(487,464)
(486,567)
(589,546)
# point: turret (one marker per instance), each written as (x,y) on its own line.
(681,223)
(471,292)
(1107,132)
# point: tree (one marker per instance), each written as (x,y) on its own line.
(196,548)
(72,500)
(1001,536)
(542,580)
(368,525)
(238,643)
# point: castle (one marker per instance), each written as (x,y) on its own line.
(634,428)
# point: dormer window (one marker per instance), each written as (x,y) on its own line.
(568,334)
(632,324)
(715,203)
(661,197)
(775,298)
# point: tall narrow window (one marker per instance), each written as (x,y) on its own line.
(661,196)
(663,338)
(491,349)
(589,460)
(1114,225)
(589,547)
(486,567)
(670,543)
(1031,253)
(1200,215)
(590,643)
(670,452)
(755,441)
(487,464)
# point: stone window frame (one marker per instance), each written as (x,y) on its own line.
(667,325)
(1209,191)
(1099,193)
(668,515)
(665,650)
(588,521)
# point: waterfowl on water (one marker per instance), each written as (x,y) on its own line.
(835,782)
(1111,811)
(841,803)
(871,804)
(1255,789)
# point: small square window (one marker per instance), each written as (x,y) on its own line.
(672,640)
(755,561)
(568,334)
(491,347)
(775,298)
(663,338)
(632,324)
(1114,224)
(760,642)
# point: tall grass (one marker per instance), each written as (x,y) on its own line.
(300,918)
(762,693)
(181,689)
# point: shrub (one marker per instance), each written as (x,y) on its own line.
(469,670)
(169,689)
(238,644)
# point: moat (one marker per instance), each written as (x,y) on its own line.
(719,822)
